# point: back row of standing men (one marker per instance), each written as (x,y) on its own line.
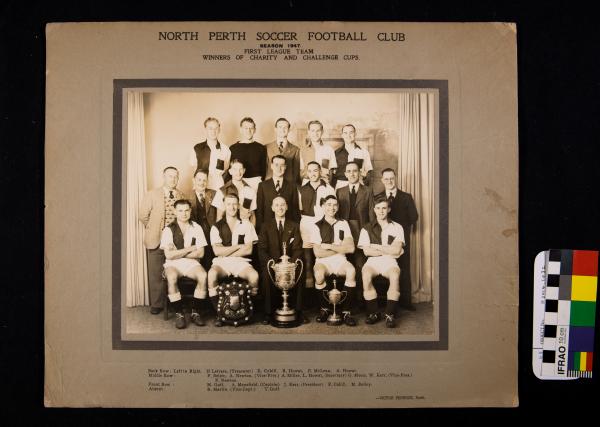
(257,174)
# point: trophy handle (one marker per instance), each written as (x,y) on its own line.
(326,296)
(344,295)
(299,261)
(270,265)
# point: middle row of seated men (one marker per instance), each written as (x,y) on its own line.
(218,227)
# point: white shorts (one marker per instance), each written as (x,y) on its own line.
(184,266)
(232,265)
(333,264)
(382,264)
(306,224)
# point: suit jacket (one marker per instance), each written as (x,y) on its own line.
(211,211)
(292,161)
(264,198)
(269,245)
(404,212)
(364,204)
(152,214)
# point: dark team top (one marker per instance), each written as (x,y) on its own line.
(253,156)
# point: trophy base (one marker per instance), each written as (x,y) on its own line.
(334,321)
(285,319)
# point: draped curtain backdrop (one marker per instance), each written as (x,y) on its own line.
(137,274)
(416,176)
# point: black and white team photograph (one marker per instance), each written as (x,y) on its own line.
(312,212)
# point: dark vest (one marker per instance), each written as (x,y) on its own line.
(308,195)
(225,231)
(327,232)
(202,151)
(177,235)
(341,157)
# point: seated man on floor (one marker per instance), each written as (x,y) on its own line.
(232,240)
(183,242)
(382,242)
(332,240)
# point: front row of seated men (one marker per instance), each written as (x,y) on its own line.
(232,239)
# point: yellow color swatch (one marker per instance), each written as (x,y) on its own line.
(583,288)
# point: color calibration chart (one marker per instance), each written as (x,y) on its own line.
(564,313)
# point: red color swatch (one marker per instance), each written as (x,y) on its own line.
(585,263)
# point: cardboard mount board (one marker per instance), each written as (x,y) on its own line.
(437,103)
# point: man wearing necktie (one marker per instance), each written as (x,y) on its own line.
(404,212)
(156,211)
(282,147)
(211,155)
(275,186)
(203,213)
(273,234)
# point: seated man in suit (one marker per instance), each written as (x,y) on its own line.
(382,241)
(332,240)
(183,242)
(203,213)
(275,186)
(238,186)
(274,233)
(232,240)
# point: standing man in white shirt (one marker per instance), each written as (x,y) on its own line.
(211,155)
(382,242)
(332,240)
(314,149)
(349,152)
(183,242)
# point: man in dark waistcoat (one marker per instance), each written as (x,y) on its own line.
(183,242)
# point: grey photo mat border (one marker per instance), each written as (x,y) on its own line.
(119,85)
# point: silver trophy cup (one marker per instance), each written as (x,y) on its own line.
(334,297)
(285,279)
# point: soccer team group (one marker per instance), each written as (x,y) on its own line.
(316,201)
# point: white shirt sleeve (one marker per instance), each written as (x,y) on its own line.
(215,237)
(347,233)
(251,236)
(166,238)
(367,166)
(331,157)
(315,235)
(199,235)
(363,239)
(217,201)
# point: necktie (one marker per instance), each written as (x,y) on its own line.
(280,228)
(171,196)
(280,147)
(354,190)
(391,197)
(277,186)
(218,146)
(201,200)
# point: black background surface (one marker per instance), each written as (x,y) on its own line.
(558,65)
